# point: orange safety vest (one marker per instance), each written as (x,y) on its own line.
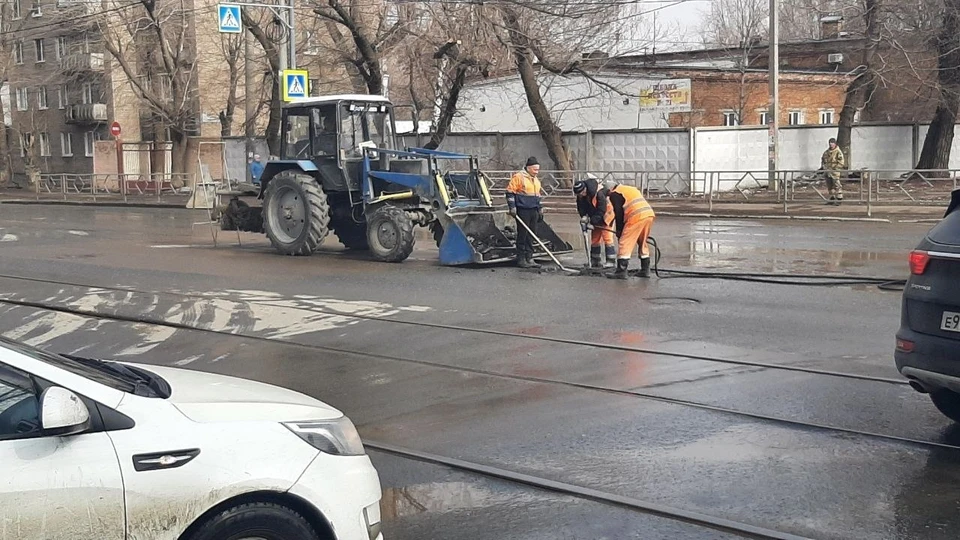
(635,206)
(523,191)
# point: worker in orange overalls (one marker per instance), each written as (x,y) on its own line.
(595,210)
(634,218)
(525,203)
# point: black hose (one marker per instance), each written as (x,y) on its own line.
(808,280)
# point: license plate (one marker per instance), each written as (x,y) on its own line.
(950,322)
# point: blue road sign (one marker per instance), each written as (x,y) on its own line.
(229,18)
(294,84)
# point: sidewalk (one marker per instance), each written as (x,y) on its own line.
(850,211)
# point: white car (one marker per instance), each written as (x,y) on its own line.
(94,450)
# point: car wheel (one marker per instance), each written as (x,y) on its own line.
(948,403)
(256,521)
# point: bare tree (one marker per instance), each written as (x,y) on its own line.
(151,45)
(260,28)
(939,140)
(231,46)
(863,86)
(365,33)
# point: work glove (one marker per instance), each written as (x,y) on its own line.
(513,212)
(585,219)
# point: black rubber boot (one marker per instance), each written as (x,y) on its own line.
(611,257)
(839,200)
(644,267)
(532,262)
(525,261)
(595,260)
(621,271)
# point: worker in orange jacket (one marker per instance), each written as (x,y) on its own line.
(596,211)
(634,218)
(523,198)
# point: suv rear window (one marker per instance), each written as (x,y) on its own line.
(947,232)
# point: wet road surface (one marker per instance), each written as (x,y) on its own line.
(689,393)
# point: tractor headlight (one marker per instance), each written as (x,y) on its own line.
(336,437)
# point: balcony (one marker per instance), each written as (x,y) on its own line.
(78,7)
(87,113)
(82,62)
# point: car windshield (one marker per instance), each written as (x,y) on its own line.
(111,374)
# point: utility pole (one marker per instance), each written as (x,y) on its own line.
(248,101)
(774,109)
(292,36)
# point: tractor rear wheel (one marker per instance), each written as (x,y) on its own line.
(296,213)
(390,234)
(351,234)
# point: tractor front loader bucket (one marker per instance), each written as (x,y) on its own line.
(486,235)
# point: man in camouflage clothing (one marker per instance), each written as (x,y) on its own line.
(833,162)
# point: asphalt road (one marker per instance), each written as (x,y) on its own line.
(775,406)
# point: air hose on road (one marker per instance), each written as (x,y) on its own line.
(806,280)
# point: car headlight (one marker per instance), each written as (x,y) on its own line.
(337,437)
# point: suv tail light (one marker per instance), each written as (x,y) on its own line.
(918,262)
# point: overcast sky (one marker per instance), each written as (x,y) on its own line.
(686,15)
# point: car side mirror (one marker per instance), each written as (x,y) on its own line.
(62,413)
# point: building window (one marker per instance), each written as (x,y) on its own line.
(17,11)
(18,53)
(61,47)
(796,118)
(26,141)
(38,45)
(87,93)
(88,144)
(826,116)
(45,144)
(66,144)
(42,98)
(35,10)
(62,97)
(764,118)
(731,118)
(23,99)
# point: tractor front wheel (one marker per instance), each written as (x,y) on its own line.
(296,213)
(390,234)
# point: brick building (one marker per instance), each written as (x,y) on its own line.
(719,96)
(908,93)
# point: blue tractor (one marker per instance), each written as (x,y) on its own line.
(340,170)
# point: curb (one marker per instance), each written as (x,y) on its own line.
(109,204)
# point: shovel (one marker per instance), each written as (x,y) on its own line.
(552,256)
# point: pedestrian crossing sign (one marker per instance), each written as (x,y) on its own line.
(229,18)
(294,84)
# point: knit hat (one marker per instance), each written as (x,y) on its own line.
(832,140)
(531,161)
(579,187)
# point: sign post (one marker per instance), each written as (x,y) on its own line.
(115,131)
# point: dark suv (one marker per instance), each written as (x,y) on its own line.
(928,343)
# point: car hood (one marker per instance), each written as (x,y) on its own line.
(206,397)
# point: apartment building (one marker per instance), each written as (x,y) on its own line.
(56,84)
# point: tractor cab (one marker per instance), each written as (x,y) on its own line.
(332,133)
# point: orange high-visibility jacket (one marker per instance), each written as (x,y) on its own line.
(523,191)
(629,205)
